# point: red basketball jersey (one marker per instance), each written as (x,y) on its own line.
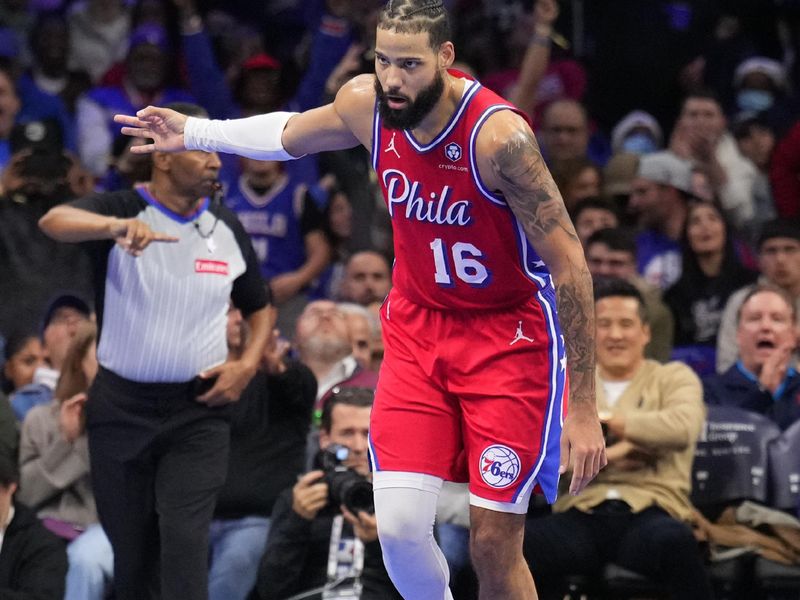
(457,244)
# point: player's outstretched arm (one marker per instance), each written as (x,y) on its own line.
(513,164)
(271,136)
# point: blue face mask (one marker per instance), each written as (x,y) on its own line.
(754,100)
(639,143)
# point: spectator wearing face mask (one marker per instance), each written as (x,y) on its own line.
(761,89)
(638,132)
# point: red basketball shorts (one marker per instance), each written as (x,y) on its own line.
(472,396)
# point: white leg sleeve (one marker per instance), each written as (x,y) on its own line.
(405,508)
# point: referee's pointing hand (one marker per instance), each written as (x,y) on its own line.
(134,235)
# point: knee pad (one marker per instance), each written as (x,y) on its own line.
(405,508)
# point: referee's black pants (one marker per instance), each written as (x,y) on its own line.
(158,459)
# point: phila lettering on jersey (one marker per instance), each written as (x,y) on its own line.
(458,245)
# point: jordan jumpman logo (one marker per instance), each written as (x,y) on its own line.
(519,336)
(391,148)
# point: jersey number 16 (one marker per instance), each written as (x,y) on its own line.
(465,260)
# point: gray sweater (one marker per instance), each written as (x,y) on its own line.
(54,474)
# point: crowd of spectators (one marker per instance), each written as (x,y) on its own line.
(671,128)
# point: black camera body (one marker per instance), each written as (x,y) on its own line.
(345,485)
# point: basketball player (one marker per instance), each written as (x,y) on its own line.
(475,363)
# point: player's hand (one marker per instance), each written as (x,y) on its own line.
(232,377)
(309,495)
(133,235)
(163,125)
(582,447)
(70,417)
(365,526)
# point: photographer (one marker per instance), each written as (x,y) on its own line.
(301,554)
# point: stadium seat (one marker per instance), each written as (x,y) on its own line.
(784,469)
(731,458)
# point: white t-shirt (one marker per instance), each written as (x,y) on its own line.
(613,390)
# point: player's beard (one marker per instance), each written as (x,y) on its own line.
(415,111)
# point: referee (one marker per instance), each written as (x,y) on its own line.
(167,260)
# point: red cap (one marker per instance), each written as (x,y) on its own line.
(261,61)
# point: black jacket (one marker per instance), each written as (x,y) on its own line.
(734,388)
(269,428)
(296,557)
(33,561)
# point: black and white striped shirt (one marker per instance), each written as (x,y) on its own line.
(162,315)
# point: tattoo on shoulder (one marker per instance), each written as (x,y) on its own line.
(528,186)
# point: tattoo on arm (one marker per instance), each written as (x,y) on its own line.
(528,187)
(573,298)
(532,195)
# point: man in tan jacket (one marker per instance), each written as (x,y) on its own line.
(635,513)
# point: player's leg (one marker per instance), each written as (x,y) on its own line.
(405,508)
(510,390)
(496,548)
(415,444)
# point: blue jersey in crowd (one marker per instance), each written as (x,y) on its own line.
(273,220)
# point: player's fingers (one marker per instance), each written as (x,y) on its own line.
(596,466)
(136,132)
(578,473)
(130,120)
(149,113)
(564,464)
(143,149)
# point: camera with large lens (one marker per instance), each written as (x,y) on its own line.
(345,485)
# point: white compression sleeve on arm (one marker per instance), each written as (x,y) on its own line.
(256,137)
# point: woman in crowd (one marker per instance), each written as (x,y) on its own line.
(712,271)
(54,471)
(338,229)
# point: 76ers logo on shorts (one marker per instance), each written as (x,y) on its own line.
(453,151)
(499,466)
